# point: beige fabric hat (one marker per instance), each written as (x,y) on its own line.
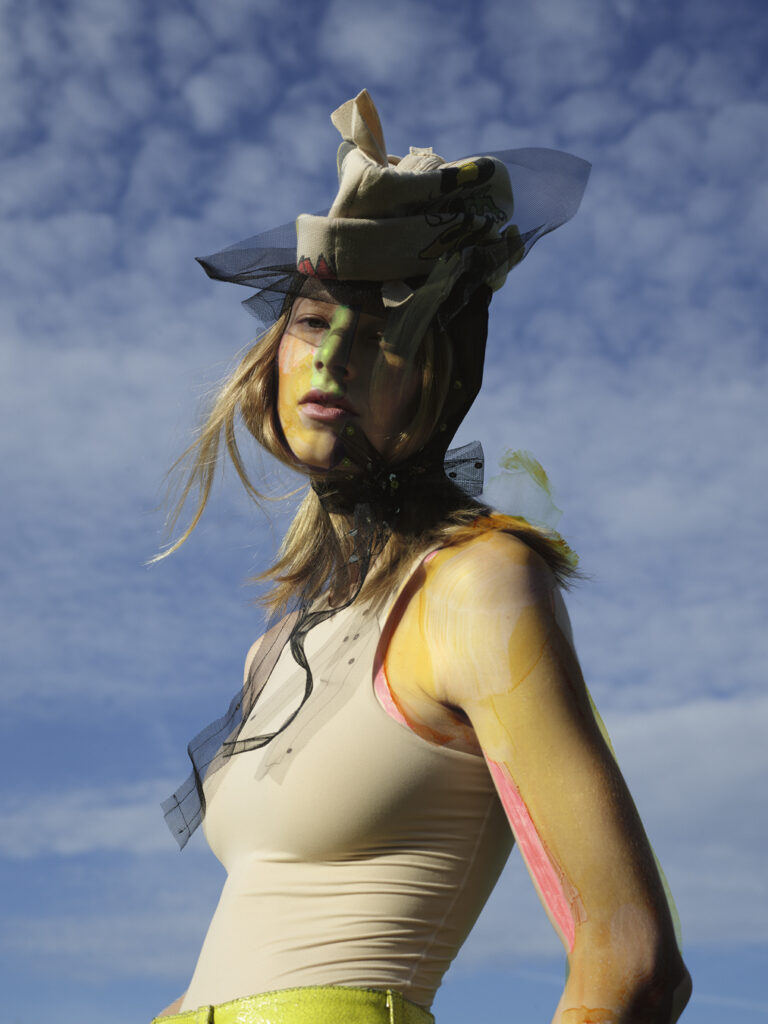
(417,225)
(394,218)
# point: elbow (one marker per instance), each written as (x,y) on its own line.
(682,991)
(663,994)
(641,982)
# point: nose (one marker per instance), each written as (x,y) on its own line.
(333,358)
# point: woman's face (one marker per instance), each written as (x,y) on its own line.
(333,368)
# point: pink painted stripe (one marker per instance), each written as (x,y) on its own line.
(548,879)
(383,692)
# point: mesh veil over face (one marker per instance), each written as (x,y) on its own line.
(422,243)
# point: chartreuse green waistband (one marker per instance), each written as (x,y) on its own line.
(325,1004)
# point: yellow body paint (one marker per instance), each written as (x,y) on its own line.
(525,647)
(588,1015)
(334,369)
(477,654)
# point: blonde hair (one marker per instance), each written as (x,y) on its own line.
(315,552)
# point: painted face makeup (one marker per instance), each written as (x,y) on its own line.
(333,368)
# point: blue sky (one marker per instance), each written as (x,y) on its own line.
(627,354)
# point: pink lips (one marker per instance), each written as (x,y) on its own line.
(319,405)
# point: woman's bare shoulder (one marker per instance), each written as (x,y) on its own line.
(489,566)
(474,597)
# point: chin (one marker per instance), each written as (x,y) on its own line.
(318,457)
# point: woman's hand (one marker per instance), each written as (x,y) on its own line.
(496,645)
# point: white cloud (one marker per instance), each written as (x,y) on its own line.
(183,43)
(125,819)
(104,33)
(258,185)
(736,146)
(133,96)
(49,179)
(228,87)
(658,79)
(167,172)
(70,63)
(386,44)
(155,943)
(240,22)
(82,107)
(586,113)
(714,78)
(54,253)
(301,133)
(34,35)
(551,48)
(663,151)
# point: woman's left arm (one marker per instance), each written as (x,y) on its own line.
(493,622)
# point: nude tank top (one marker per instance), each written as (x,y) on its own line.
(357,853)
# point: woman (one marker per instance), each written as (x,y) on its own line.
(417,693)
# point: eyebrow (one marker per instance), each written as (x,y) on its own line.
(328,307)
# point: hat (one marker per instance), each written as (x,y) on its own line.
(416,224)
(396,218)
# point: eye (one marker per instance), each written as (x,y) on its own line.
(314,323)
(309,328)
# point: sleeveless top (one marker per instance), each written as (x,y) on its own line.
(357,852)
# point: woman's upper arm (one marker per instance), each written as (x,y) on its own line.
(500,650)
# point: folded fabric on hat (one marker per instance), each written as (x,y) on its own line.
(394,220)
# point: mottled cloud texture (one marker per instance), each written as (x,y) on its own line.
(627,354)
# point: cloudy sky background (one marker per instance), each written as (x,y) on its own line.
(627,354)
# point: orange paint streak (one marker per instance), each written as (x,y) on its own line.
(588,1015)
(549,880)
